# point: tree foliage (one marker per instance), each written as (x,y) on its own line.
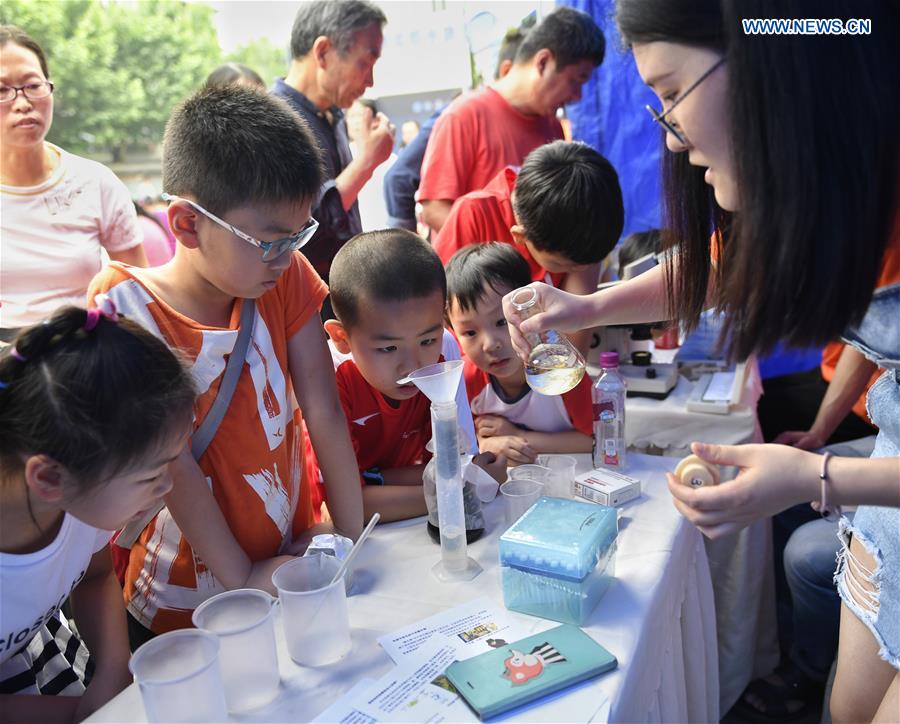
(264,57)
(118,67)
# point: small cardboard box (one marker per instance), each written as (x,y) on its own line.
(607,487)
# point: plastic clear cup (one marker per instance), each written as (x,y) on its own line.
(244,622)
(536,472)
(179,677)
(561,477)
(314,610)
(519,496)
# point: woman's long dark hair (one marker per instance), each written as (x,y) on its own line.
(816,146)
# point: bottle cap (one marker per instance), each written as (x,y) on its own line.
(609,359)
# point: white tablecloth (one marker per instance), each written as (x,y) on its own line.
(741,565)
(657,618)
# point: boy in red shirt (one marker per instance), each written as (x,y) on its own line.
(562,212)
(388,291)
(510,418)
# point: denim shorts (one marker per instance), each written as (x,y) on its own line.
(878,528)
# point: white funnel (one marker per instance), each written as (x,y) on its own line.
(438,382)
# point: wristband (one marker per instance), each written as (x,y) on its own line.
(826,511)
(373,476)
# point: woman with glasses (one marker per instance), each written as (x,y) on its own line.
(58,210)
(781,186)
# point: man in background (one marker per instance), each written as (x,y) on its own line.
(402,180)
(481,133)
(361,117)
(334,48)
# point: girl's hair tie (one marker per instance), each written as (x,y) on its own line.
(104,307)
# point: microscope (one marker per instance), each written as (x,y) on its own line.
(644,376)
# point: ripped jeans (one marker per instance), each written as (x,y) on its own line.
(873,594)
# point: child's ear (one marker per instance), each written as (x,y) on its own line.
(46,479)
(338,334)
(183,223)
(518,234)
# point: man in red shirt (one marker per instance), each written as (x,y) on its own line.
(484,131)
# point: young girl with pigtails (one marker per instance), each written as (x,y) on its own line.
(93,408)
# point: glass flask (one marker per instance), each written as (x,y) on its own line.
(554,366)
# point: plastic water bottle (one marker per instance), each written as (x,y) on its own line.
(608,396)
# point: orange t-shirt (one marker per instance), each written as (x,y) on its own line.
(890,274)
(254,464)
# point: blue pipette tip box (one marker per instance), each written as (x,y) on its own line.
(558,559)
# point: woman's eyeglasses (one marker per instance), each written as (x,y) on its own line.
(671,126)
(32,91)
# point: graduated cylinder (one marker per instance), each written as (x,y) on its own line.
(449,486)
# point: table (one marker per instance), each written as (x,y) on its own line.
(741,565)
(657,618)
(742,572)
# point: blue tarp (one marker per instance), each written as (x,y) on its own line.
(611,117)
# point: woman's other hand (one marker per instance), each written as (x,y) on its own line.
(771,479)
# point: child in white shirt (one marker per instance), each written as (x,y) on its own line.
(511,419)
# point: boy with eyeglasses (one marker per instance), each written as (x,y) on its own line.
(240,171)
